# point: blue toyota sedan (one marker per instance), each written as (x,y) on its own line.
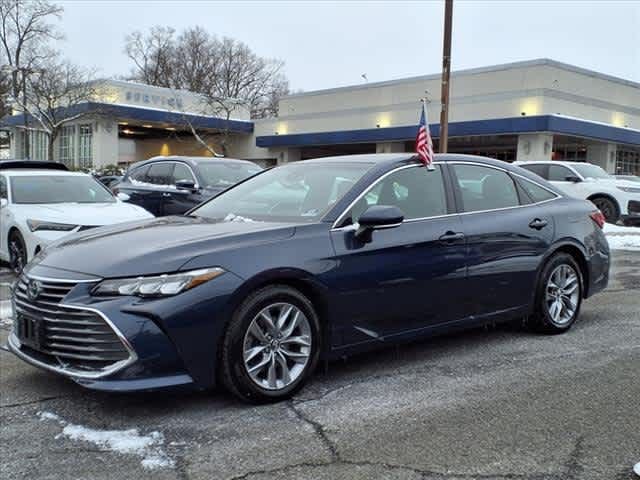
(307,262)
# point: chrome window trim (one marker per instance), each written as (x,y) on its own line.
(354,226)
(366,190)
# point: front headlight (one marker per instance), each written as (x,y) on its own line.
(37,225)
(158,286)
(629,189)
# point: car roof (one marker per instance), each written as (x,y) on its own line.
(384,159)
(551,162)
(32,172)
(190,160)
(38,164)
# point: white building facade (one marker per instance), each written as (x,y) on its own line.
(532,110)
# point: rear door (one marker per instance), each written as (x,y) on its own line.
(507,235)
(178,201)
(140,191)
(409,277)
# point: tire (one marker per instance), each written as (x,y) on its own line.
(17,252)
(250,341)
(608,208)
(556,310)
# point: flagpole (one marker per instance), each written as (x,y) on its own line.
(446,67)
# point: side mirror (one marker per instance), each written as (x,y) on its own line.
(573,179)
(123,196)
(3,202)
(185,185)
(377,217)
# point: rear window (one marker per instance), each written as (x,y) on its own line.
(58,189)
(535,192)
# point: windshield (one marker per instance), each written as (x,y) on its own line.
(293,192)
(218,174)
(591,171)
(59,189)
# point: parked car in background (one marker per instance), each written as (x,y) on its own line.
(40,202)
(616,199)
(308,261)
(110,181)
(174,185)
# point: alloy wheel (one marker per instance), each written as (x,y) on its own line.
(563,294)
(277,346)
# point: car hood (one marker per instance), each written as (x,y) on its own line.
(161,245)
(88,214)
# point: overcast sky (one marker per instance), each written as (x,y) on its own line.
(326,44)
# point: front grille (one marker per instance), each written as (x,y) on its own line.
(634,207)
(73,339)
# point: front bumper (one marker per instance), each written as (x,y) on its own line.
(172,342)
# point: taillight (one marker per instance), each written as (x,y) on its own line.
(598,217)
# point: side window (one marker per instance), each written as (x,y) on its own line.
(3,187)
(559,173)
(160,173)
(181,173)
(485,188)
(416,191)
(539,169)
(535,192)
(139,174)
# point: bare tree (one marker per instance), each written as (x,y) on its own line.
(56,94)
(200,62)
(153,55)
(25,29)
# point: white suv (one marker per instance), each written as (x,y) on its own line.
(41,205)
(617,199)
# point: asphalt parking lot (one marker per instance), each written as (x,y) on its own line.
(484,404)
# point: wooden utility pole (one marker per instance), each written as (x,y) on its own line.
(446,68)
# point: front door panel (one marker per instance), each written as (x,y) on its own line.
(406,278)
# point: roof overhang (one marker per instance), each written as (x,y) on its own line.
(128,112)
(500,126)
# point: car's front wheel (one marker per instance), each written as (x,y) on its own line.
(271,345)
(17,252)
(559,295)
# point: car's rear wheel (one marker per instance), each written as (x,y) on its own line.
(17,252)
(559,295)
(608,208)
(271,345)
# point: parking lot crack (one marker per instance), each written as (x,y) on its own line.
(319,430)
(32,402)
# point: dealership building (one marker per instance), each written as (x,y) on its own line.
(531,110)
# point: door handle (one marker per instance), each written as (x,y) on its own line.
(538,223)
(450,237)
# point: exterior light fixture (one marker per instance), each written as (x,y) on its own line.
(147,126)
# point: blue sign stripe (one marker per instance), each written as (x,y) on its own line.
(500,126)
(125,112)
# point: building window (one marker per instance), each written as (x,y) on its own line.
(39,145)
(628,162)
(85,138)
(65,145)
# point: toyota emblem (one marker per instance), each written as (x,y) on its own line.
(34,289)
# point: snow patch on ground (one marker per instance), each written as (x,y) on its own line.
(6,313)
(622,238)
(127,442)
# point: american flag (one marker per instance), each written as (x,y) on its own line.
(424,145)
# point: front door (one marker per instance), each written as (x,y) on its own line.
(408,277)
